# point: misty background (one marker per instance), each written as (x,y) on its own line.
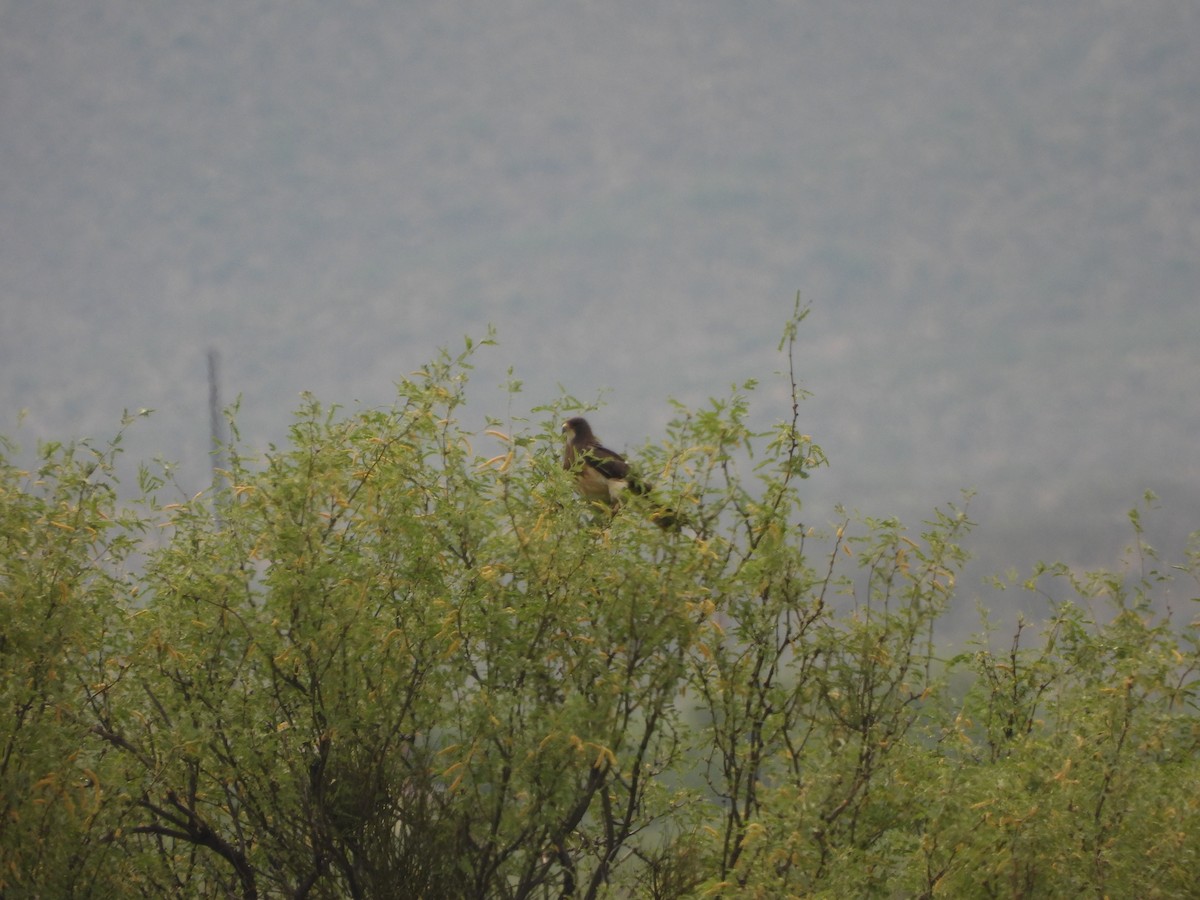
(992,209)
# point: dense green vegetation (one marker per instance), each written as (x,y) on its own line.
(388,663)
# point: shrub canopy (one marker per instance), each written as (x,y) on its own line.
(386,662)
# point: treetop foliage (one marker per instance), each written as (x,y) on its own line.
(386,662)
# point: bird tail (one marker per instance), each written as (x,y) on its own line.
(662,516)
(667,519)
(637,486)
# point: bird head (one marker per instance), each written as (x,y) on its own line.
(576,428)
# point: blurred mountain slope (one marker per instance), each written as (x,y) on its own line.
(992,210)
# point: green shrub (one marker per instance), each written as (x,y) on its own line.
(383,663)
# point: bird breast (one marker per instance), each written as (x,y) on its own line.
(592,485)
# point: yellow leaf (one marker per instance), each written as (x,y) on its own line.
(505,462)
(602,754)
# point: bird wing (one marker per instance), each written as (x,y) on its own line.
(607,462)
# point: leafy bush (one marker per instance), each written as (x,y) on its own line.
(383,664)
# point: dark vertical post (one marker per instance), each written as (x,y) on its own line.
(214,414)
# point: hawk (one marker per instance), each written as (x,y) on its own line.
(601,475)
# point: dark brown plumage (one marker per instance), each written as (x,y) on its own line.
(601,475)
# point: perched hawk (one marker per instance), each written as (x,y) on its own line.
(601,475)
